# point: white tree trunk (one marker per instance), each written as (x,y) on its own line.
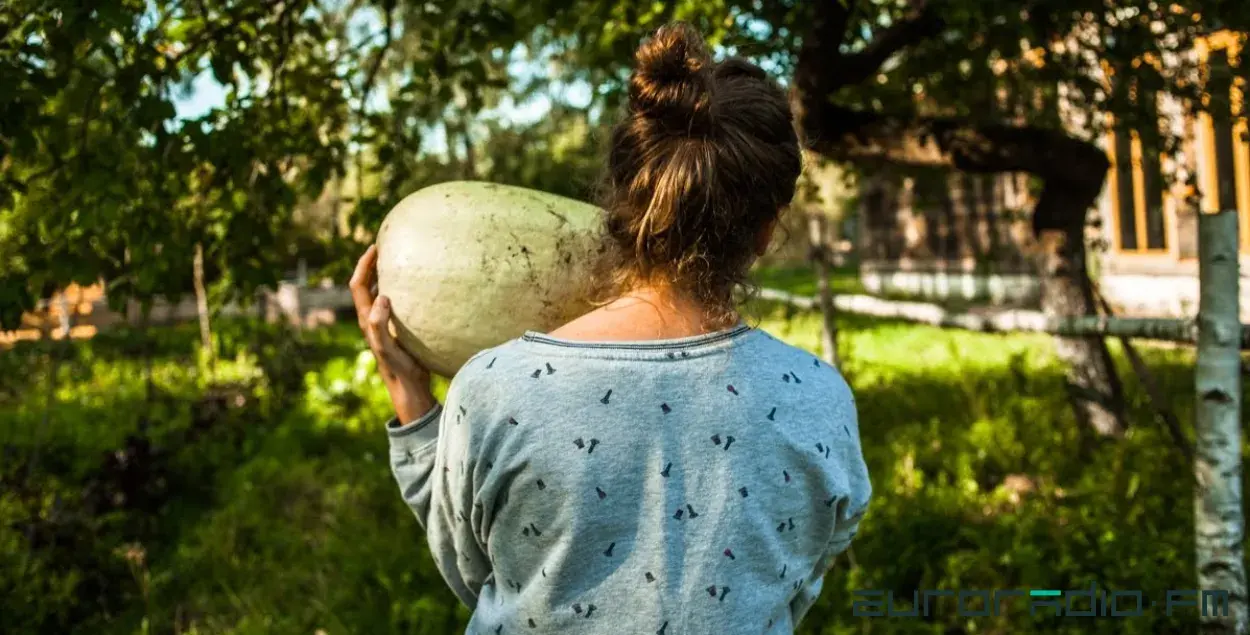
(1009,320)
(1219,524)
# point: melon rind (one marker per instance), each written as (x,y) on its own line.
(469,265)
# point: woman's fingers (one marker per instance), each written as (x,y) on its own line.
(361,285)
(376,324)
(385,348)
(379,319)
(407,381)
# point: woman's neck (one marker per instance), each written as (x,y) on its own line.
(646,313)
(672,305)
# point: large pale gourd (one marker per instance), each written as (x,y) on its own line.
(470,265)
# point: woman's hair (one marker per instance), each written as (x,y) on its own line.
(705,157)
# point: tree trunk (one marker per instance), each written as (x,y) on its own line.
(336,208)
(1006,320)
(359,198)
(1219,524)
(201,308)
(67,315)
(828,311)
(1156,396)
(1094,388)
(32,468)
(68,311)
(1072,171)
(468,167)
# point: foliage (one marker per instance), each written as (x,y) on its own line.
(101,180)
(980,59)
(966,436)
(136,496)
(151,506)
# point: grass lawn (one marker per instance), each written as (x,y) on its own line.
(800,279)
(261,502)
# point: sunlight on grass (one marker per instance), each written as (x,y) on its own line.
(800,279)
(278,513)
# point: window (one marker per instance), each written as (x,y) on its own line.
(1226,150)
(1137,191)
(1152,189)
(1125,201)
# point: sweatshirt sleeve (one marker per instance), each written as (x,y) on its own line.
(849,512)
(430,460)
(839,541)
(854,503)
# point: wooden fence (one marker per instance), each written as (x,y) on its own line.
(81,312)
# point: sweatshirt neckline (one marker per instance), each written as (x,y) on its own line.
(687,344)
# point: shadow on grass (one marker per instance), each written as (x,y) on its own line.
(281,516)
(983,480)
(979,484)
(305,532)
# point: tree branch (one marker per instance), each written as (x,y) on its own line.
(159,28)
(822,43)
(285,36)
(367,86)
(921,22)
(23,185)
(1158,401)
(85,129)
(1073,170)
(346,53)
(836,15)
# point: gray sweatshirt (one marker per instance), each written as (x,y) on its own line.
(676,487)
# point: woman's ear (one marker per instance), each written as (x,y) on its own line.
(765,237)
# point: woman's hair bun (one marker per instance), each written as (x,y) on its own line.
(671,82)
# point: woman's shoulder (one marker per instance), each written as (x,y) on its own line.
(485,377)
(778,351)
(800,367)
(495,357)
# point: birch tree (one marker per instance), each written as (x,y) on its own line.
(1219,522)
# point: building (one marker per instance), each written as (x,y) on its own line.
(945,236)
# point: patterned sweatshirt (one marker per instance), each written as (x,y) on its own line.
(676,487)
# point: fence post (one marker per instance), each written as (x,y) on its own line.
(1219,522)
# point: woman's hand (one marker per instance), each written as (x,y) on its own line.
(407,381)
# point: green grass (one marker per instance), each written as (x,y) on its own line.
(277,514)
(800,279)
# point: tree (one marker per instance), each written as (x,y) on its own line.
(1219,518)
(98,178)
(1072,172)
(971,85)
(101,180)
(824,193)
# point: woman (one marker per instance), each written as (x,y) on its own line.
(656,465)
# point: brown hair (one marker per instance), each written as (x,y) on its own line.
(704,158)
